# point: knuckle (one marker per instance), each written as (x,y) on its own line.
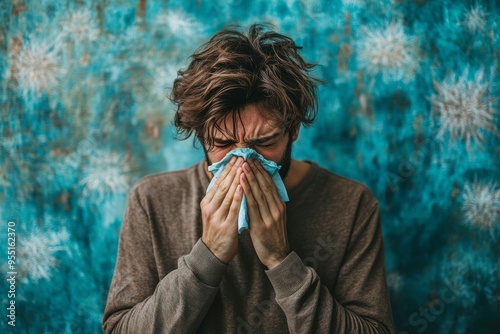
(251,203)
(204,212)
(223,188)
(276,215)
(219,181)
(208,209)
(233,208)
(205,216)
(266,188)
(226,202)
(254,205)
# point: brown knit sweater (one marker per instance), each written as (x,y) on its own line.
(167,281)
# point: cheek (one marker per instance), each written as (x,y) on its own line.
(217,155)
(273,154)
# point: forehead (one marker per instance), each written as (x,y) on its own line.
(250,122)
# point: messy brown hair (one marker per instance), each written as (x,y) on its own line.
(233,70)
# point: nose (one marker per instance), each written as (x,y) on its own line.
(242,145)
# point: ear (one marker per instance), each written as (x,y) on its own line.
(295,133)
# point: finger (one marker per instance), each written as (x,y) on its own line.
(234,209)
(225,185)
(265,182)
(229,198)
(269,181)
(259,197)
(275,204)
(220,179)
(252,205)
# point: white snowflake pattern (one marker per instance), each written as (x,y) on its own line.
(388,51)
(178,23)
(464,107)
(475,19)
(80,25)
(481,204)
(37,258)
(107,173)
(38,69)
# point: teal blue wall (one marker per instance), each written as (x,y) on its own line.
(410,108)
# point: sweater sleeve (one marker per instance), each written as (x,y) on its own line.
(138,302)
(360,302)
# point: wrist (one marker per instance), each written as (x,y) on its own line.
(216,253)
(275,261)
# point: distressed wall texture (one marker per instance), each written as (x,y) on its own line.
(410,108)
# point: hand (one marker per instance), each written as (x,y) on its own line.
(220,208)
(267,215)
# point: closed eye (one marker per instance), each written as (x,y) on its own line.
(223,144)
(265,145)
(265,142)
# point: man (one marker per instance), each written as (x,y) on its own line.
(312,265)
